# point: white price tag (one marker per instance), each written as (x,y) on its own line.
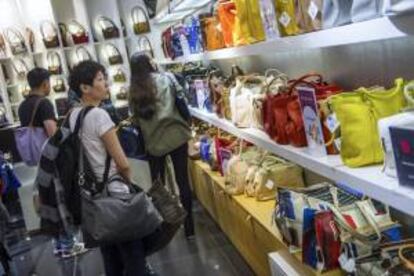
(332,123)
(313,10)
(270,184)
(285,19)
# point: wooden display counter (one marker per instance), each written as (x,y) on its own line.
(245,221)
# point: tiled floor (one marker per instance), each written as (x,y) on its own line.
(211,253)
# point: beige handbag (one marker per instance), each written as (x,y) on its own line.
(16,41)
(140,20)
(273,173)
(20,68)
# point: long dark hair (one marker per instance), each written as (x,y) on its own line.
(142,93)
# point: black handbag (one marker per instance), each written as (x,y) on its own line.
(49,34)
(113,54)
(108,28)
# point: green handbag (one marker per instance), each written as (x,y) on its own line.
(358,113)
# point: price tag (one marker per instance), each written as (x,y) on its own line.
(332,123)
(270,184)
(313,10)
(285,19)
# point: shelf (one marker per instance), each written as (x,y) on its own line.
(184,59)
(110,40)
(362,32)
(368,180)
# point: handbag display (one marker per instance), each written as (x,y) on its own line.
(119,76)
(212,36)
(108,28)
(248,27)
(287,17)
(362,10)
(49,34)
(54,63)
(113,54)
(20,68)
(16,41)
(59,85)
(144,46)
(140,20)
(30,140)
(336,13)
(358,113)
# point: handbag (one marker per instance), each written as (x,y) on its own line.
(226,11)
(216,86)
(82,54)
(311,14)
(122,94)
(140,20)
(336,13)
(16,41)
(3,49)
(362,10)
(358,113)
(112,217)
(268,15)
(144,46)
(30,139)
(166,38)
(287,17)
(59,85)
(113,54)
(54,63)
(49,34)
(20,68)
(396,7)
(120,76)
(248,27)
(194,36)
(108,28)
(212,36)
(75,33)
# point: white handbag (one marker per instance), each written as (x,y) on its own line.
(336,13)
(394,7)
(365,10)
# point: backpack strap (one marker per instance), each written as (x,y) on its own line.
(107,167)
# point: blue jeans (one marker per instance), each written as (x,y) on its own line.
(127,258)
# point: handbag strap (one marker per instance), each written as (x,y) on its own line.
(15,32)
(304,80)
(110,45)
(81,48)
(50,60)
(36,107)
(409,93)
(134,15)
(42,28)
(102,19)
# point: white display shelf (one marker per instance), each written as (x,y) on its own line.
(368,180)
(184,59)
(372,30)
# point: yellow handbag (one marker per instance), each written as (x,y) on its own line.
(287,17)
(358,113)
(248,27)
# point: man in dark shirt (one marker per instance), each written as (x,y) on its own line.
(39,82)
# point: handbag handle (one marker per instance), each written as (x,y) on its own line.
(304,79)
(103,19)
(409,264)
(50,59)
(81,28)
(408,93)
(236,71)
(24,65)
(18,34)
(112,47)
(135,14)
(42,28)
(84,50)
(144,39)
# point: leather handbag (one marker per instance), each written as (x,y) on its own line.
(226,11)
(30,139)
(16,41)
(113,54)
(365,9)
(54,63)
(144,46)
(49,34)
(82,54)
(20,68)
(140,20)
(59,85)
(395,7)
(78,33)
(269,20)
(336,13)
(288,16)
(248,27)
(108,28)
(119,76)
(358,113)
(30,38)
(212,36)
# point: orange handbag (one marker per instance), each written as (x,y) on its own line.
(212,36)
(227,15)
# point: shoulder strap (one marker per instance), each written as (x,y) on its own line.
(36,107)
(81,116)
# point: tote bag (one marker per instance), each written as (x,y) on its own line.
(30,140)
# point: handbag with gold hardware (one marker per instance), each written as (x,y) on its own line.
(20,68)
(59,85)
(108,28)
(122,94)
(54,63)
(140,20)
(16,41)
(144,45)
(119,76)
(49,34)
(113,54)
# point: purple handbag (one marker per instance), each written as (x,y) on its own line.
(30,140)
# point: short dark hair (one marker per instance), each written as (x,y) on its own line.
(37,76)
(84,73)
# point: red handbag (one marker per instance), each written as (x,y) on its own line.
(166,38)
(323,90)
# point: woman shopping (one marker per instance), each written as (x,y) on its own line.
(166,132)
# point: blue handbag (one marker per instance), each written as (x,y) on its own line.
(194,36)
